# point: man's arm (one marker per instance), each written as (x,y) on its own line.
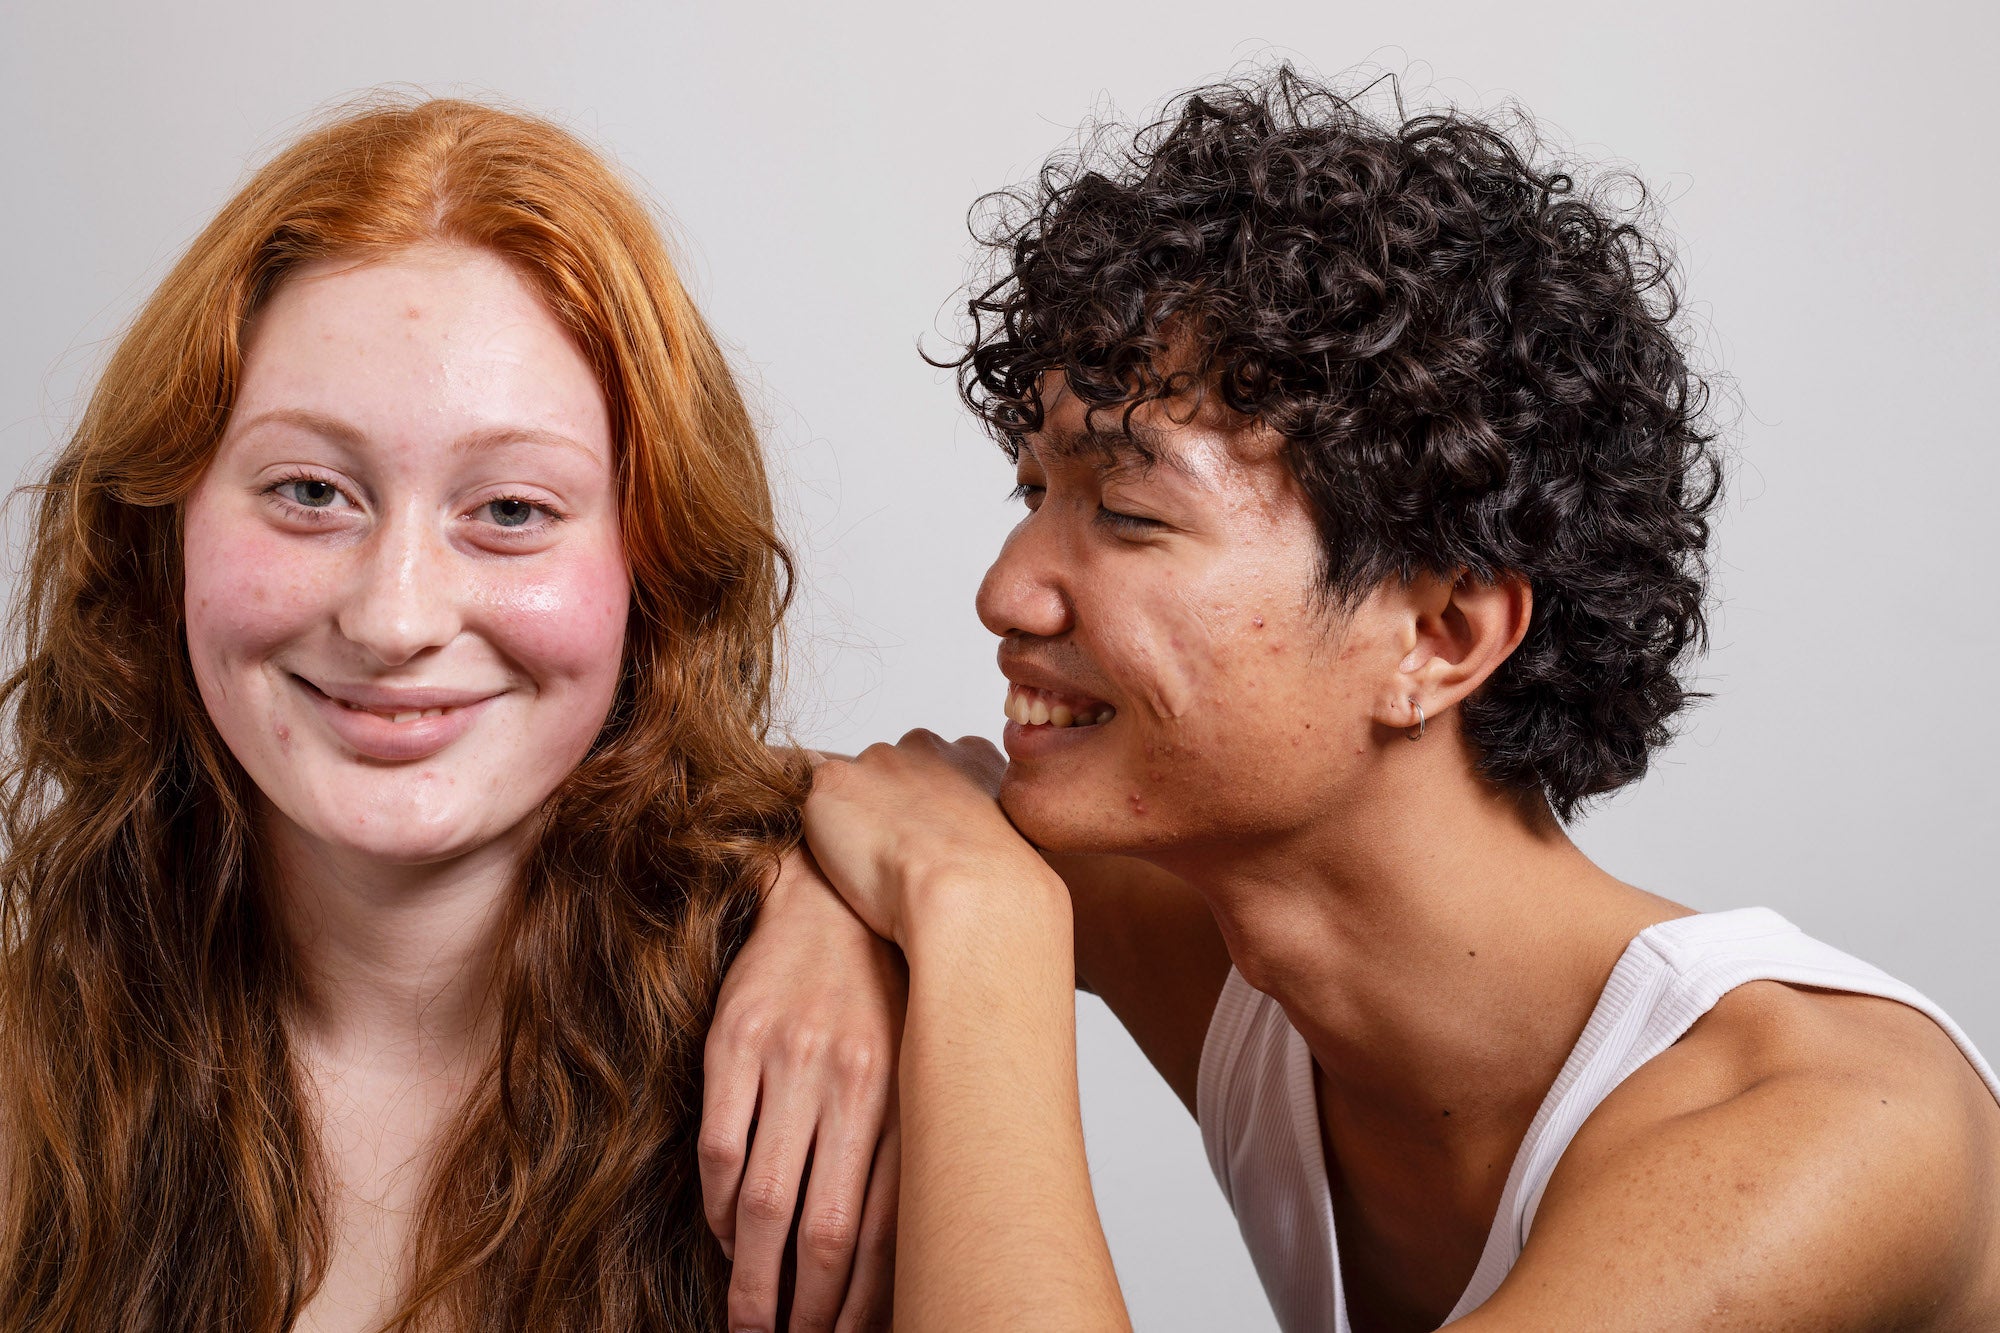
(999,1229)
(1148,947)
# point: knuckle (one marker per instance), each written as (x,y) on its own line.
(826,1239)
(716,1150)
(803,1044)
(752,1308)
(857,1061)
(766,1199)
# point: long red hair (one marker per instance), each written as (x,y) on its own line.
(161,1167)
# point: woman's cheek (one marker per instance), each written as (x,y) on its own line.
(246,594)
(565,625)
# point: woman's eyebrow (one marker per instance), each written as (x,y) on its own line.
(319,423)
(346,433)
(494,436)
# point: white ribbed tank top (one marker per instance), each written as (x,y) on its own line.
(1260,1117)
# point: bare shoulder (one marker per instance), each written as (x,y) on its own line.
(1801,1159)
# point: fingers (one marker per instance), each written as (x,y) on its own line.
(830,1220)
(766,1201)
(731,1071)
(872,1285)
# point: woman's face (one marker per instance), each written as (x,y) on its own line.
(406,592)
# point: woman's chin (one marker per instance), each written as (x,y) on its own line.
(400,837)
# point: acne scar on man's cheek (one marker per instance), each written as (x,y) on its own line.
(1170,650)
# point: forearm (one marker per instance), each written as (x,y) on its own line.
(998,1229)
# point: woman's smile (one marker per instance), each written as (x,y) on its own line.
(396,725)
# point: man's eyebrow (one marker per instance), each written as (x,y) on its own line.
(1137,450)
(346,433)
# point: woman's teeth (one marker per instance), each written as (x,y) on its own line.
(395,717)
(1038,708)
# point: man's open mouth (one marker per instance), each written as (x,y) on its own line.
(1048,708)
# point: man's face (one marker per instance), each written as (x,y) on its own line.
(1175,679)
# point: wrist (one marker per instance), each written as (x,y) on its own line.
(952,904)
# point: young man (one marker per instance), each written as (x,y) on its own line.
(1367,490)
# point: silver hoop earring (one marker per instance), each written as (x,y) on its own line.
(1415,733)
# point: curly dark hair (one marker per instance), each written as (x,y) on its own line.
(1477,367)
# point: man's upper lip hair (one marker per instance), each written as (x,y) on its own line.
(1035,677)
(398,699)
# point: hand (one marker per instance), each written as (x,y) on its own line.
(900,820)
(802,1058)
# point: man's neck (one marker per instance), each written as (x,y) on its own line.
(1439,947)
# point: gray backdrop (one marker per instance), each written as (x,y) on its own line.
(1830,172)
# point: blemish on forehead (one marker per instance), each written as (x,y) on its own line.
(413,312)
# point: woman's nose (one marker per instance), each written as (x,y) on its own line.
(404,595)
(1024,592)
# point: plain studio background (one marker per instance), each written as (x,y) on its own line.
(1828,169)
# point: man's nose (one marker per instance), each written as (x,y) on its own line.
(1025,591)
(403,597)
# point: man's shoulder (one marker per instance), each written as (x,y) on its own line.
(1818,1157)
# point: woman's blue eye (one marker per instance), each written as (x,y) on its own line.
(511,513)
(312,493)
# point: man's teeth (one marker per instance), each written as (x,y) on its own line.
(1034,708)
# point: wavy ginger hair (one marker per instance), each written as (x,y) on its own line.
(161,1168)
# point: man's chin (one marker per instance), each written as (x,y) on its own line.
(1067,819)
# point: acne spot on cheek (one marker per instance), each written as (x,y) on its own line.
(1258,621)
(1137,803)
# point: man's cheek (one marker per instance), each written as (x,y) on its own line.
(1163,655)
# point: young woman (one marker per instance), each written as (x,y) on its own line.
(1367,491)
(389,784)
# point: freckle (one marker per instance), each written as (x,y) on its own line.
(1472,953)
(1447,1113)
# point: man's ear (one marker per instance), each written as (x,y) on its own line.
(1459,631)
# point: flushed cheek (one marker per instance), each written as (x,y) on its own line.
(245,598)
(562,624)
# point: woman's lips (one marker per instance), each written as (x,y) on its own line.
(397,729)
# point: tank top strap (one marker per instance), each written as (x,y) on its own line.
(1668,977)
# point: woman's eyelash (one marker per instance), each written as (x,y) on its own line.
(277,489)
(549,513)
(1021,491)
